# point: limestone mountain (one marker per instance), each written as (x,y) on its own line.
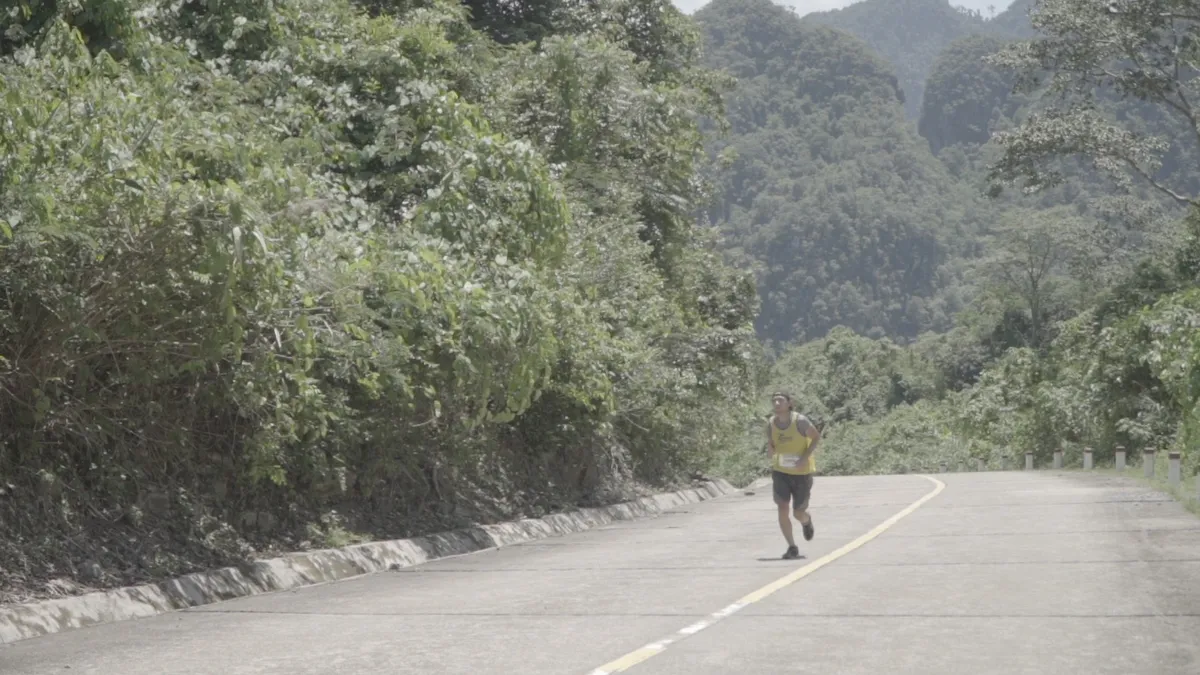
(829,193)
(911,34)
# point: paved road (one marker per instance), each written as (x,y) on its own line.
(998,573)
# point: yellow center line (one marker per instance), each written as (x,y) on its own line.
(639,655)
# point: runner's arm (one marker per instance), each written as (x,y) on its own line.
(814,437)
(770,441)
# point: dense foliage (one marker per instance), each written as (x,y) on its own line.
(282,273)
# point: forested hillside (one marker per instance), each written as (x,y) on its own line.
(966,97)
(973,94)
(912,34)
(1014,21)
(828,192)
(291,274)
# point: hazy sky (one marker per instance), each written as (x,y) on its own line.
(806,6)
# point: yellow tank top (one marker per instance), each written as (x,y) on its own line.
(789,445)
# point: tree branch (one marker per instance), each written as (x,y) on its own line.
(1179,199)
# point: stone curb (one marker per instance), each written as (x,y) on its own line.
(35,619)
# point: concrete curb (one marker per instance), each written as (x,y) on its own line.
(36,619)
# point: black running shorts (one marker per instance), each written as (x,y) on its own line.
(794,489)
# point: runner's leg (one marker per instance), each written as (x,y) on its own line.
(783,496)
(803,491)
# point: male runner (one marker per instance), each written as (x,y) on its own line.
(792,439)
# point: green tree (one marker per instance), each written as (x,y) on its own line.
(1028,259)
(1087,51)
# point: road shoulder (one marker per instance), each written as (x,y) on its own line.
(35,619)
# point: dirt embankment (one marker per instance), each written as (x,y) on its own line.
(56,540)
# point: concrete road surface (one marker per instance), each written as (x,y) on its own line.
(998,573)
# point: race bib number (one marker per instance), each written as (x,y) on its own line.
(789,461)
